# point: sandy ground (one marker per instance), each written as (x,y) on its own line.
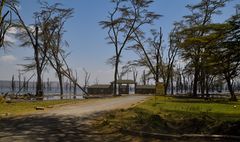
(65,123)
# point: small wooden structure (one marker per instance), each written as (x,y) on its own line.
(125,86)
(100,89)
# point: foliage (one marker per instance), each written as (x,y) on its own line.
(6,20)
(201,39)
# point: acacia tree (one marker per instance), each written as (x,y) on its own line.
(193,29)
(29,35)
(5,19)
(51,19)
(126,17)
(223,51)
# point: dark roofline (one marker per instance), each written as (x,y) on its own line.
(126,81)
(146,86)
(100,86)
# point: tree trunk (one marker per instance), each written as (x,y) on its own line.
(230,88)
(144,78)
(202,82)
(13,85)
(19,80)
(195,82)
(75,90)
(165,88)
(172,87)
(60,84)
(184,84)
(157,67)
(70,87)
(207,85)
(39,91)
(115,76)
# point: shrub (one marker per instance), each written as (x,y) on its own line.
(2,100)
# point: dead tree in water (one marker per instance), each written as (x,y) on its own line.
(86,78)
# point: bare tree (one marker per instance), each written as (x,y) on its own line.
(96,81)
(150,51)
(154,56)
(86,78)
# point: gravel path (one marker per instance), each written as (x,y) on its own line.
(66,123)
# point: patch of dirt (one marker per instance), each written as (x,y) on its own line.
(72,122)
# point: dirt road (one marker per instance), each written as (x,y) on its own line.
(66,123)
(98,105)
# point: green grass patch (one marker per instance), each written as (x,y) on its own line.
(171,115)
(21,108)
(219,109)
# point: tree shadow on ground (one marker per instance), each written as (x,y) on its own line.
(52,128)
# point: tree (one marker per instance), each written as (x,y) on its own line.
(87,76)
(30,36)
(13,84)
(5,19)
(150,57)
(223,53)
(51,19)
(218,51)
(168,69)
(41,46)
(154,56)
(75,85)
(126,17)
(19,80)
(193,29)
(135,74)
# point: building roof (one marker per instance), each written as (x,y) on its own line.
(124,82)
(146,86)
(99,86)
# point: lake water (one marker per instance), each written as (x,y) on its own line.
(49,94)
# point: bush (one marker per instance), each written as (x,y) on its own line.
(2,100)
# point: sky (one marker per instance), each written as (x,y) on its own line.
(87,44)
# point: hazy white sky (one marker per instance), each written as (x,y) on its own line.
(88,46)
